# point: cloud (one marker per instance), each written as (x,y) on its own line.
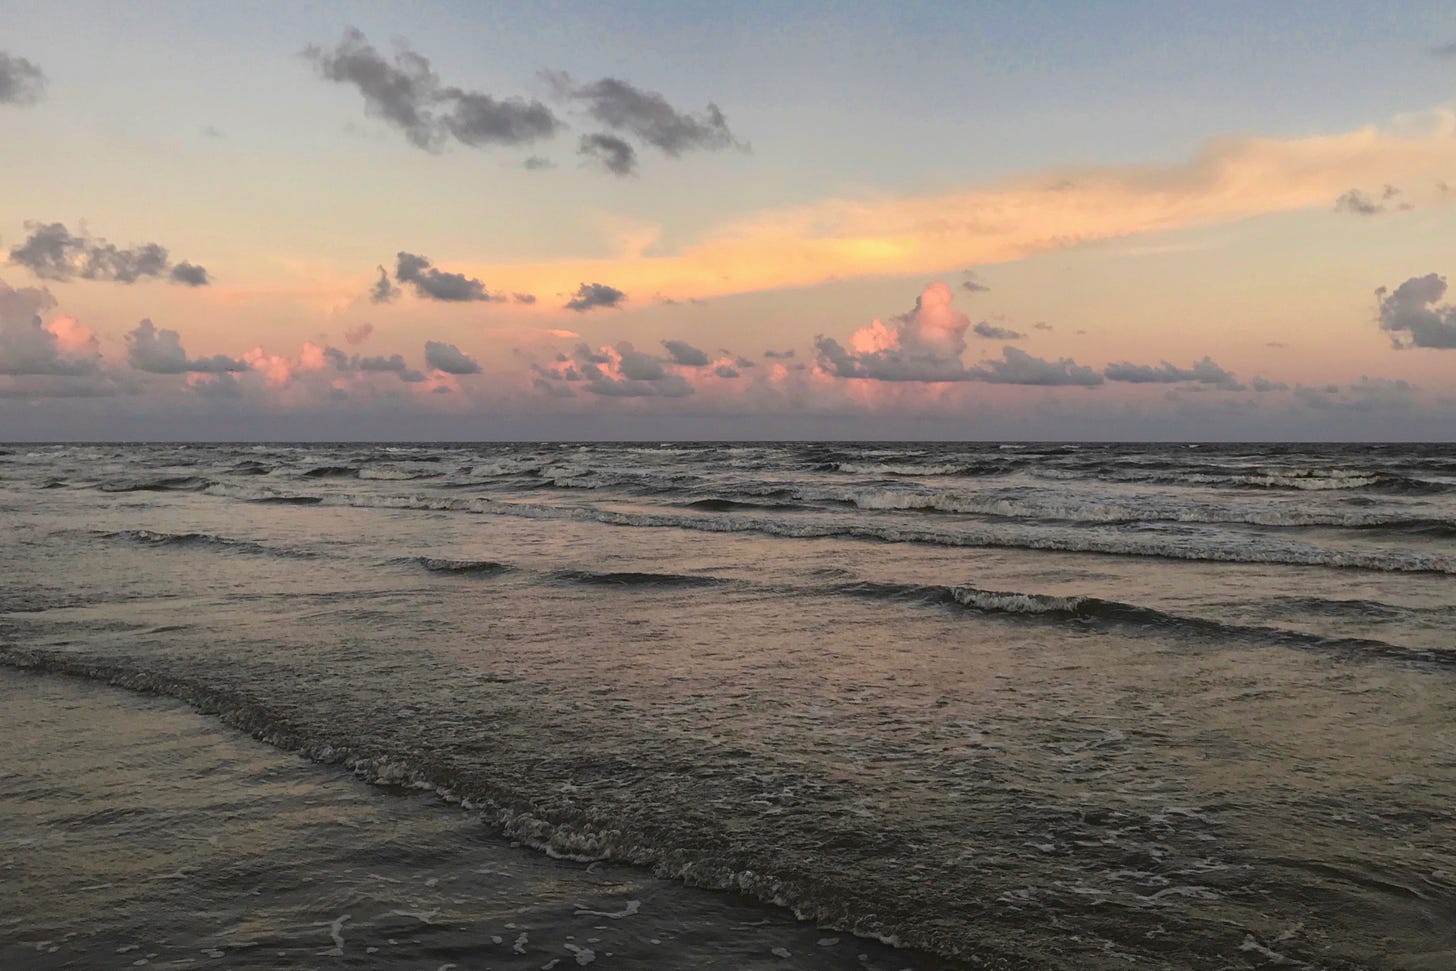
(52,252)
(21,82)
(1412,315)
(190,274)
(159,351)
(449,358)
(647,115)
(1019,367)
(1042,325)
(923,344)
(612,153)
(992,332)
(1360,204)
(886,235)
(589,296)
(394,364)
(1445,50)
(526,298)
(1204,371)
(726,371)
(383,291)
(686,354)
(359,333)
(433,284)
(779,355)
(972,285)
(538,164)
(1263,385)
(29,346)
(619,371)
(407,94)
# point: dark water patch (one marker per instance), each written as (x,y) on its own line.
(287,500)
(717,504)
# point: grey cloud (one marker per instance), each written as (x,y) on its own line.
(26,346)
(610,152)
(1360,204)
(383,291)
(1262,385)
(159,351)
(1042,325)
(523,297)
(992,332)
(538,164)
(190,274)
(433,284)
(726,371)
(684,353)
(407,94)
(589,296)
(1204,371)
(394,364)
(21,82)
(449,358)
(1412,315)
(53,252)
(779,355)
(359,333)
(213,132)
(1019,367)
(1445,50)
(971,285)
(669,386)
(637,366)
(553,389)
(647,115)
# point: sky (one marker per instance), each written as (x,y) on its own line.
(579,221)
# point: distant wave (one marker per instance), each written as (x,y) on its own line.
(330,472)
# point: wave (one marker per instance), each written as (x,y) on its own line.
(508,805)
(148,537)
(330,472)
(441,565)
(635,579)
(287,500)
(1119,614)
(718,504)
(172,483)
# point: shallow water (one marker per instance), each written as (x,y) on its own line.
(1035,706)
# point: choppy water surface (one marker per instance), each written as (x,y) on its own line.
(1017,706)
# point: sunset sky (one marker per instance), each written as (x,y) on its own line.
(681,220)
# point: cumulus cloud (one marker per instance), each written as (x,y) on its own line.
(610,152)
(432,284)
(726,371)
(406,92)
(1413,315)
(972,285)
(53,252)
(21,82)
(1204,371)
(619,371)
(923,344)
(779,355)
(449,358)
(686,354)
(589,296)
(30,346)
(159,351)
(359,333)
(992,332)
(1018,367)
(647,115)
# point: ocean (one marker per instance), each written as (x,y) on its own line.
(953,706)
